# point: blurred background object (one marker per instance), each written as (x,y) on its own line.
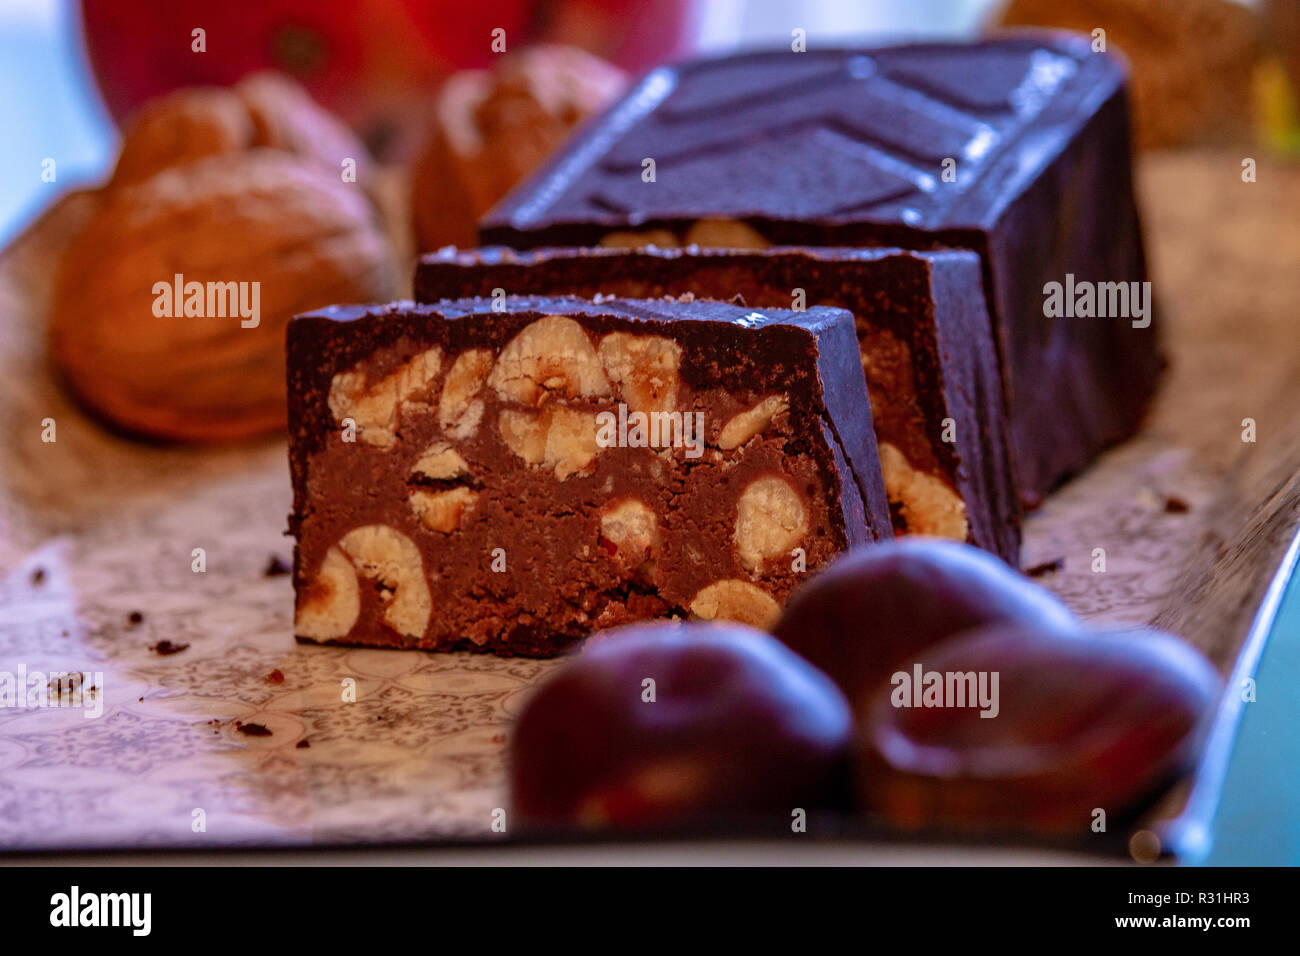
(1193,61)
(1278,88)
(1283,25)
(490,128)
(370,61)
(265,109)
(50,111)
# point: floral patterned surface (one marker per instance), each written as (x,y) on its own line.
(94,528)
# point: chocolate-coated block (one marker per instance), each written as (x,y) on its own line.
(1015,147)
(510,474)
(924,340)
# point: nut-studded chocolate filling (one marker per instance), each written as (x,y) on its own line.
(518,481)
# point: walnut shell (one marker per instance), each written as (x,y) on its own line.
(265,109)
(493,127)
(181,127)
(261,216)
(286,117)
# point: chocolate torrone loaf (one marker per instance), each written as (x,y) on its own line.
(1016,147)
(923,334)
(509,474)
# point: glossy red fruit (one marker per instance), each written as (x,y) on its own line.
(1100,720)
(883,604)
(739,726)
(371,61)
(346,52)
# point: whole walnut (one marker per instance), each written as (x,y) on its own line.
(265,109)
(493,127)
(259,227)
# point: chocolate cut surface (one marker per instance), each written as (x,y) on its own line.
(510,474)
(1016,147)
(924,339)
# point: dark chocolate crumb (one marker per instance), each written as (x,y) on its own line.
(1047,567)
(1175,505)
(135,618)
(167,648)
(253,730)
(276,676)
(303,744)
(38,577)
(276,567)
(65,683)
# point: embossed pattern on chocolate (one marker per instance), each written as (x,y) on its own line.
(511,474)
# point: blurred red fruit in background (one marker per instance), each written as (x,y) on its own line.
(371,61)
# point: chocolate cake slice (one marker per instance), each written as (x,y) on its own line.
(1015,147)
(923,335)
(508,474)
